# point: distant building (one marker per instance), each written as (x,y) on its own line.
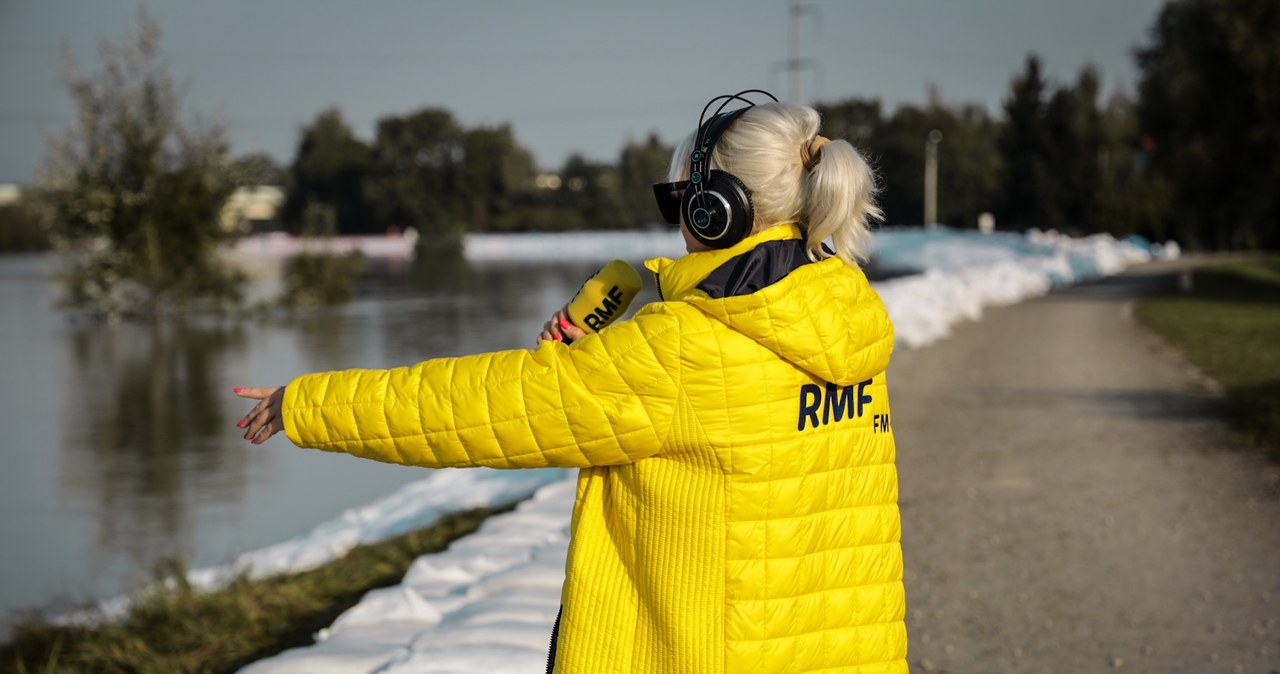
(9,193)
(253,209)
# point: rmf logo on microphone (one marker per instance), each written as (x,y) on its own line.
(600,316)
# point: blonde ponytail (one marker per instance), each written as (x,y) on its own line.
(839,203)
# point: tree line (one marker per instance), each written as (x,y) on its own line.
(1194,156)
(133,191)
(425,170)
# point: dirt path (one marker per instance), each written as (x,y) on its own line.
(1073,502)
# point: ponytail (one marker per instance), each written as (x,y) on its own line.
(839,203)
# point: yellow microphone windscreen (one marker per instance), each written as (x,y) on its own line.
(605,296)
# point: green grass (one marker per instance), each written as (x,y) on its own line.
(1229,326)
(185,630)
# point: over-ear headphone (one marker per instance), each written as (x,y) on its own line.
(717,206)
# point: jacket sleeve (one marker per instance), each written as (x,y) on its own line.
(605,400)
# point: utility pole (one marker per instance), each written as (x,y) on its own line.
(794,64)
(931,179)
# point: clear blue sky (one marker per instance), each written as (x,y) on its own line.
(569,76)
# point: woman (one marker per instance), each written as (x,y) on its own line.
(736,507)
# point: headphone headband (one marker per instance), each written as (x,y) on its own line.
(710,130)
(717,206)
(709,133)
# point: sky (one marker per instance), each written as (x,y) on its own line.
(569,76)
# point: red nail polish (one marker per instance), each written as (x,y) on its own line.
(240,424)
(556,337)
(237,390)
(564,324)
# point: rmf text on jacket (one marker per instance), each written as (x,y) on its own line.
(838,403)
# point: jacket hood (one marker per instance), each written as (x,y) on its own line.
(824,317)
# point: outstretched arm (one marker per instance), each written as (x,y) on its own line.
(265,419)
(608,399)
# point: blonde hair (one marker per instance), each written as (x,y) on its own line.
(835,199)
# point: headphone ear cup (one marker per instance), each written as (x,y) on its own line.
(724,215)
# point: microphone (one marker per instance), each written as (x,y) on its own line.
(604,297)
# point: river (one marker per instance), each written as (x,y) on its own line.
(119,447)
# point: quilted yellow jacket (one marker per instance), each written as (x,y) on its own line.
(737,501)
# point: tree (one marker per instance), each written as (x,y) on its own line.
(330,168)
(591,189)
(1074,126)
(134,192)
(495,171)
(415,174)
(971,183)
(969,164)
(1131,200)
(258,168)
(1071,163)
(640,165)
(20,227)
(1208,114)
(1026,148)
(895,149)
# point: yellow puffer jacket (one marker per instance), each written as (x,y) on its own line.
(737,504)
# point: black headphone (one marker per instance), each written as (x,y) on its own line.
(717,206)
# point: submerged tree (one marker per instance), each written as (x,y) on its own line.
(134,192)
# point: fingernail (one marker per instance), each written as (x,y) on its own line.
(556,337)
(257,441)
(240,424)
(564,323)
(237,390)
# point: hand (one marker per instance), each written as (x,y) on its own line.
(560,329)
(264,420)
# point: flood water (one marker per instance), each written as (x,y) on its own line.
(119,448)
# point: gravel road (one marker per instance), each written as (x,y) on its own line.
(1073,501)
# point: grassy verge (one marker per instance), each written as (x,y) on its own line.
(186,630)
(1229,325)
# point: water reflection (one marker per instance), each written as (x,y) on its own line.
(148,446)
(120,445)
(144,445)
